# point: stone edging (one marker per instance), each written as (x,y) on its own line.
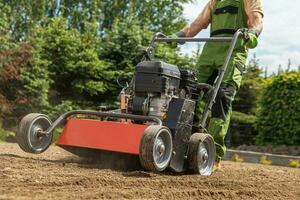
(263,158)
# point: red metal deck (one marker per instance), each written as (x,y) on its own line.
(102,135)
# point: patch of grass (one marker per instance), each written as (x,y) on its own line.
(2,133)
(6,136)
(56,134)
(243,118)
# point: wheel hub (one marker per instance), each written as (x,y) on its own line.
(162,150)
(30,137)
(36,131)
(160,147)
(205,156)
(202,154)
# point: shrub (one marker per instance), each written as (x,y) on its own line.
(242,129)
(278,120)
(2,133)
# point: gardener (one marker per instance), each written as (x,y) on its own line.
(225,17)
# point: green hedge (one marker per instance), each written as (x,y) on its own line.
(278,120)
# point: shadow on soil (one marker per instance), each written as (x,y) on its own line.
(129,166)
(67,159)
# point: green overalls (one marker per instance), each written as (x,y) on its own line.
(227,17)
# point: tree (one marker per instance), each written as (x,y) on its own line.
(156,15)
(74,68)
(23,16)
(22,85)
(124,43)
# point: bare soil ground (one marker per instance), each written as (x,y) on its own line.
(57,174)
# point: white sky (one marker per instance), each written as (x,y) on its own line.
(280,39)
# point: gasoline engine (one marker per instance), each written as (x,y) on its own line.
(154,85)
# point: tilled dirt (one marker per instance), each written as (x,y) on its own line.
(57,174)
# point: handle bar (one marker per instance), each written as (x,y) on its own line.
(160,37)
(181,40)
(216,86)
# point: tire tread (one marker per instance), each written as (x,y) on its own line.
(146,148)
(194,142)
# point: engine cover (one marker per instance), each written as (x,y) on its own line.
(156,77)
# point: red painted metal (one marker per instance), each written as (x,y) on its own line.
(102,135)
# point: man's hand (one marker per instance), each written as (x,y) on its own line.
(179,34)
(255,25)
(250,38)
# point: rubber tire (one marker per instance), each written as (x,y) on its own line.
(146,148)
(22,135)
(194,144)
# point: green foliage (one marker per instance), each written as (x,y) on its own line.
(22,16)
(239,117)
(122,45)
(56,134)
(55,111)
(242,129)
(2,133)
(4,37)
(169,54)
(279,111)
(155,15)
(35,78)
(16,97)
(6,136)
(71,61)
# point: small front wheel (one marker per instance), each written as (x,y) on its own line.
(156,148)
(201,154)
(29,135)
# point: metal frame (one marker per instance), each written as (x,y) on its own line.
(216,86)
(181,40)
(62,119)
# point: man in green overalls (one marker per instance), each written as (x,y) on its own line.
(225,17)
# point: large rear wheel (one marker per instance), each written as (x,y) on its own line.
(29,135)
(156,148)
(201,154)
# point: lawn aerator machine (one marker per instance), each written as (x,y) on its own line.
(154,123)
